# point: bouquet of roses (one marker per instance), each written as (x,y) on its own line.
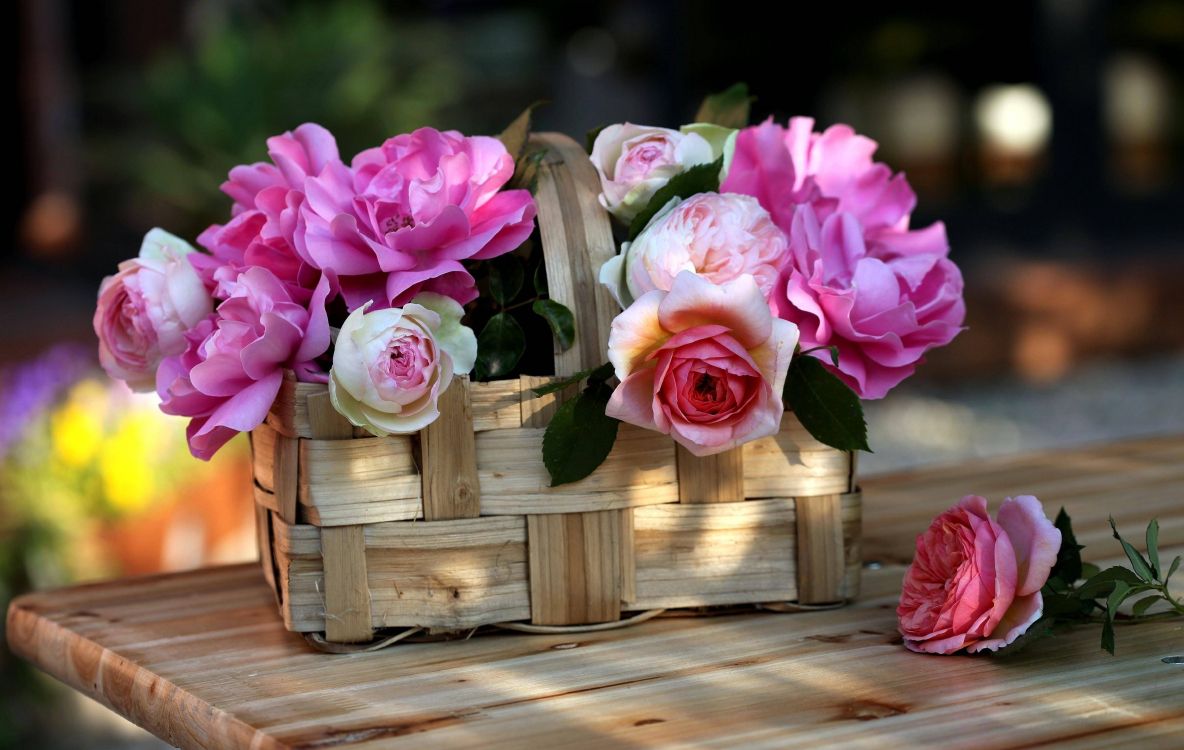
(740,245)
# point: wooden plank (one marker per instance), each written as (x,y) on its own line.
(347,589)
(639,471)
(450,486)
(820,555)
(201,659)
(575,567)
(711,479)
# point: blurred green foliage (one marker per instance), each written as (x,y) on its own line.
(194,113)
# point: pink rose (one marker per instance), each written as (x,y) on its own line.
(391,365)
(974,582)
(146,308)
(405,215)
(883,305)
(719,237)
(265,228)
(635,161)
(228,377)
(702,363)
(833,170)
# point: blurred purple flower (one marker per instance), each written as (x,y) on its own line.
(28,389)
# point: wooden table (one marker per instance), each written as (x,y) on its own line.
(201,659)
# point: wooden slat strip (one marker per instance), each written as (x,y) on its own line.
(347,589)
(575,568)
(577,239)
(495,405)
(324,422)
(451,488)
(821,560)
(639,471)
(711,479)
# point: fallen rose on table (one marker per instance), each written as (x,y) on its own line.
(982,584)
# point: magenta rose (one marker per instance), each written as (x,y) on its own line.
(975,582)
(832,170)
(228,377)
(718,236)
(265,228)
(145,309)
(406,214)
(703,363)
(883,306)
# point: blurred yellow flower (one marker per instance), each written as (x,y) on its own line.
(128,459)
(77,428)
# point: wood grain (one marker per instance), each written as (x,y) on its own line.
(577,239)
(201,659)
(449,455)
(821,559)
(575,567)
(711,479)
(346,592)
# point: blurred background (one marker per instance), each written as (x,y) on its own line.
(1048,135)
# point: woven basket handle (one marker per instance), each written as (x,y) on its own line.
(577,239)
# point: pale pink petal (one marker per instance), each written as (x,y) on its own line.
(1034,538)
(738,305)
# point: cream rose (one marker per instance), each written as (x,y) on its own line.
(720,237)
(390,366)
(636,161)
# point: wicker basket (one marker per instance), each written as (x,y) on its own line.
(456,527)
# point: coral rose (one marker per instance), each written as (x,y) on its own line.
(719,237)
(636,161)
(882,307)
(145,309)
(228,377)
(390,366)
(703,363)
(402,218)
(975,582)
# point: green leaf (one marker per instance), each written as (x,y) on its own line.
(517,133)
(729,108)
(595,374)
(579,436)
(1108,637)
(1140,565)
(1172,569)
(825,406)
(701,178)
(1144,604)
(562,322)
(506,275)
(590,138)
(1153,546)
(1120,592)
(540,280)
(1064,605)
(1068,565)
(499,347)
(1103,583)
(1089,570)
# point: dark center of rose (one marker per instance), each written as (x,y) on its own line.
(394,223)
(706,387)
